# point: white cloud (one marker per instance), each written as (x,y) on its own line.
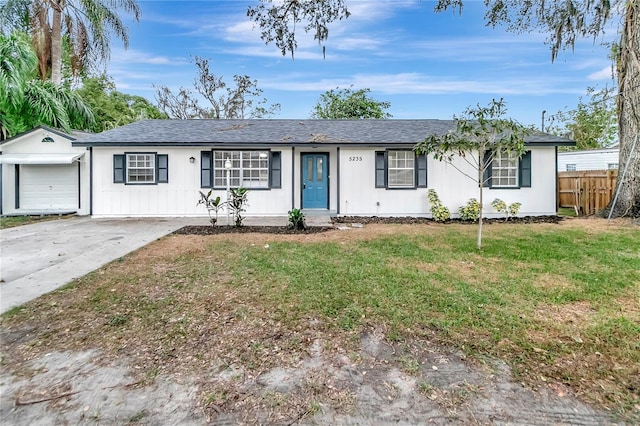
(132,56)
(422,84)
(372,10)
(603,74)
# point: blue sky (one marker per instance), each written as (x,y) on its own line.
(426,65)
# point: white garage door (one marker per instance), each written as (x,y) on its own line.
(49,187)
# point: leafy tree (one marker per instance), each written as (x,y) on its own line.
(84,27)
(593,124)
(564,21)
(480,133)
(26,101)
(113,108)
(279,20)
(348,103)
(237,102)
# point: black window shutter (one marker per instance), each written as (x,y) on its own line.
(421,171)
(162,166)
(486,176)
(118,168)
(206,169)
(525,170)
(381,169)
(275,170)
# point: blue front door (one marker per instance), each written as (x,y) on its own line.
(315,187)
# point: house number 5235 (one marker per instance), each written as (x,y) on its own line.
(355,158)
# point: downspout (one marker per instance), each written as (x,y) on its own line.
(79,186)
(1,185)
(293,177)
(556,182)
(338,183)
(16,184)
(90,181)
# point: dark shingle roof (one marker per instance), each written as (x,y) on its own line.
(281,132)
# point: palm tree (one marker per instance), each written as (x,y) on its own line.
(86,25)
(26,101)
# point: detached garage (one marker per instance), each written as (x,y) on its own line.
(43,174)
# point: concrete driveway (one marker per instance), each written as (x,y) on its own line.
(36,259)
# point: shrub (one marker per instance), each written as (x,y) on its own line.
(510,210)
(514,209)
(500,206)
(471,211)
(213,206)
(296,220)
(238,204)
(439,212)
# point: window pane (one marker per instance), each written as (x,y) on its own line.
(401,169)
(320,169)
(505,169)
(141,168)
(249,169)
(310,169)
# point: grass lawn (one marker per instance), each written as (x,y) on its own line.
(566,211)
(11,221)
(560,303)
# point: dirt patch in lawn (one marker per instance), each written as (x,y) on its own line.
(370,381)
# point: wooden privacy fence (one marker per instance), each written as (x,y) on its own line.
(587,192)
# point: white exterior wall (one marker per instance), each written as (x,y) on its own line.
(597,159)
(357,193)
(178,197)
(31,143)
(359,196)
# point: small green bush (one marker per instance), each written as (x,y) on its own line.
(510,210)
(296,220)
(237,205)
(500,206)
(514,209)
(439,212)
(213,206)
(471,211)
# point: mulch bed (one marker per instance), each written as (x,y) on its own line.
(425,220)
(337,221)
(223,229)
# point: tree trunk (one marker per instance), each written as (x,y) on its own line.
(628,68)
(481,185)
(56,43)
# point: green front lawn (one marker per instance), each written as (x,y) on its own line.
(558,302)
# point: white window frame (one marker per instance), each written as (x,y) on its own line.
(401,164)
(138,171)
(249,169)
(505,170)
(571,167)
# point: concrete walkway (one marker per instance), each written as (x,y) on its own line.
(38,258)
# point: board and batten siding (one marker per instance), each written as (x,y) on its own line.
(360,197)
(596,159)
(179,196)
(352,186)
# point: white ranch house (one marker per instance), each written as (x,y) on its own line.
(155,168)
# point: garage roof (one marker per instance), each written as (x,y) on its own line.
(55,158)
